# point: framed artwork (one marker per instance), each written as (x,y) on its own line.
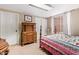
(28,18)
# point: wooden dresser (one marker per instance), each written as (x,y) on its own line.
(28,34)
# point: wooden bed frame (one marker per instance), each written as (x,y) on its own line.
(56,48)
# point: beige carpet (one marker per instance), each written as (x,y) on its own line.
(30,49)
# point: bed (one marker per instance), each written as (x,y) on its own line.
(60,44)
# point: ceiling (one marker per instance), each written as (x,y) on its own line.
(27,9)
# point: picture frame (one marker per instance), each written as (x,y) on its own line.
(27,18)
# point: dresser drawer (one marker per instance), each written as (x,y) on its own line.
(28,37)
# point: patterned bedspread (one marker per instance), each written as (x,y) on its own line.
(71,42)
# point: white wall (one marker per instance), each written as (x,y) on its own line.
(41,22)
(71,22)
(68,22)
(7,26)
(74,22)
(44,26)
(65,25)
(52,25)
(38,24)
(65,8)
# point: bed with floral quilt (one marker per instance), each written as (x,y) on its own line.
(60,44)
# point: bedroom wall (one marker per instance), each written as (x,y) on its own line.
(70,22)
(74,22)
(44,26)
(68,14)
(49,26)
(40,22)
(37,20)
(52,25)
(65,25)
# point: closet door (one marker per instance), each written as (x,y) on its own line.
(9,27)
(2,26)
(58,24)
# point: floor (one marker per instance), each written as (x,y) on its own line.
(30,49)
